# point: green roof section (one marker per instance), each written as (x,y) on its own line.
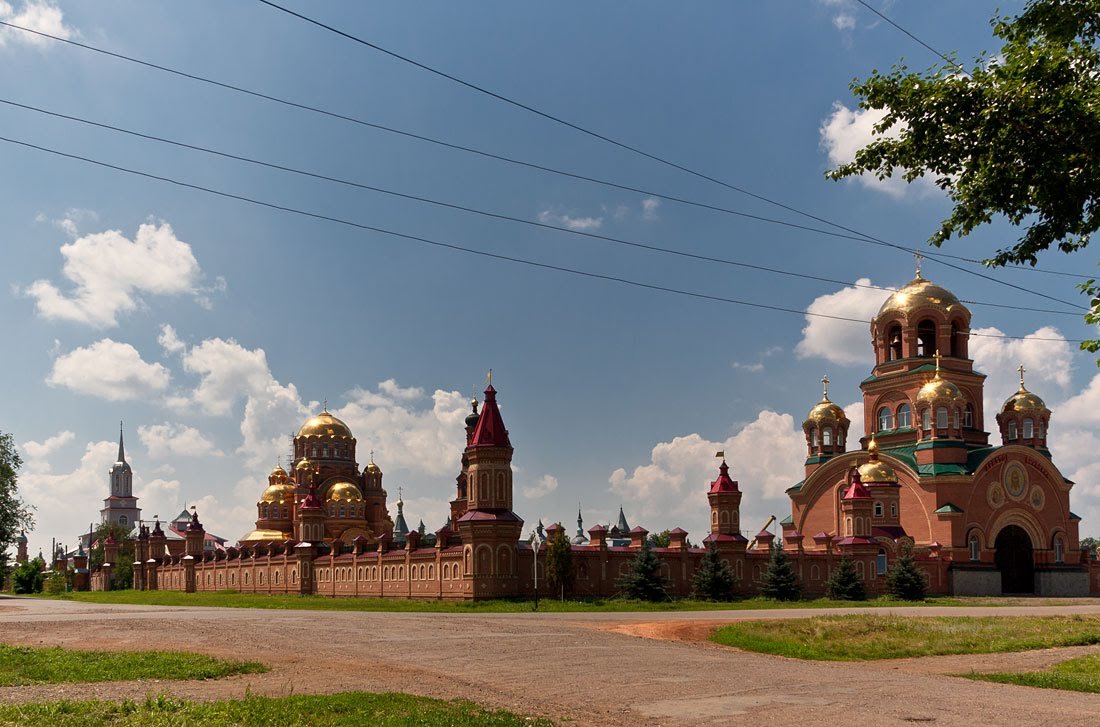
(949,509)
(975,457)
(795,488)
(922,368)
(939,470)
(906,454)
(1073,515)
(789,520)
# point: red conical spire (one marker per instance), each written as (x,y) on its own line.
(723,483)
(311,501)
(856,491)
(490,431)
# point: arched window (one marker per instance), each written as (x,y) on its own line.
(926,419)
(1040,429)
(955,419)
(848,526)
(1029,429)
(885,419)
(827,437)
(878,509)
(975,547)
(1059,551)
(905,417)
(893,343)
(1012,431)
(263,510)
(343,511)
(956,341)
(813,436)
(926,339)
(941,417)
(968,417)
(880,563)
(893,509)
(122,520)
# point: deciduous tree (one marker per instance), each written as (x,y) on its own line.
(1016,135)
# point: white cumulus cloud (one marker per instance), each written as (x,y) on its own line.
(40,15)
(839,341)
(109,273)
(844,131)
(765,456)
(168,439)
(168,340)
(109,370)
(649,208)
(38,453)
(541,488)
(1045,355)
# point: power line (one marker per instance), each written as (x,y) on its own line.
(934,256)
(485,213)
(469,250)
(950,61)
(623,145)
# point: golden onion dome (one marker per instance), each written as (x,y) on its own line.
(304,465)
(277,492)
(825,411)
(278,473)
(1023,400)
(875,471)
(344,492)
(939,389)
(325,425)
(919,293)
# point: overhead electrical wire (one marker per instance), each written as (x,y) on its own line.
(473,251)
(934,256)
(615,142)
(953,63)
(485,213)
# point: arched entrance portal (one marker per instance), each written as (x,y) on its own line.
(1014,560)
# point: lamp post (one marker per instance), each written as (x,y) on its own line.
(536,543)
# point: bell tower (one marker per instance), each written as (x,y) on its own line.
(120,507)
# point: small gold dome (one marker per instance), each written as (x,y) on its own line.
(277,492)
(1023,400)
(918,293)
(325,425)
(874,471)
(826,412)
(278,473)
(344,492)
(939,389)
(304,465)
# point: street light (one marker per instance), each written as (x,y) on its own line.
(536,542)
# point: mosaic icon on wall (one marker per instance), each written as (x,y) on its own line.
(1015,479)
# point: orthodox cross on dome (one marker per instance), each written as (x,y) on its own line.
(937,356)
(825,387)
(324,407)
(400,498)
(372,459)
(918,257)
(489,378)
(1021,370)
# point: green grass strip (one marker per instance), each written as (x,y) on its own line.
(233,599)
(1076,675)
(877,636)
(349,708)
(22,665)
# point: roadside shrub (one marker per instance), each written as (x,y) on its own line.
(844,583)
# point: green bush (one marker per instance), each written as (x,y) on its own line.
(905,580)
(27,578)
(643,581)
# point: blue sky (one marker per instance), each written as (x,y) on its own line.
(213,327)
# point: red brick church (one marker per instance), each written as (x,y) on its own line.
(981,518)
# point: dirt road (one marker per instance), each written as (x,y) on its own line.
(588,669)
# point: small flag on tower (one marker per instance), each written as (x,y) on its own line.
(720,453)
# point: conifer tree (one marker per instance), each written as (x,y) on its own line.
(905,580)
(714,580)
(780,580)
(844,583)
(643,581)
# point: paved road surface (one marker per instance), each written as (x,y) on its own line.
(588,668)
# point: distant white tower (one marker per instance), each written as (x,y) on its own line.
(120,507)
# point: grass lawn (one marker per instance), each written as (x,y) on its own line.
(875,636)
(233,599)
(20,665)
(1079,675)
(350,708)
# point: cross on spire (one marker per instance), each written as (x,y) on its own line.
(1021,370)
(918,257)
(937,356)
(489,378)
(325,405)
(825,386)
